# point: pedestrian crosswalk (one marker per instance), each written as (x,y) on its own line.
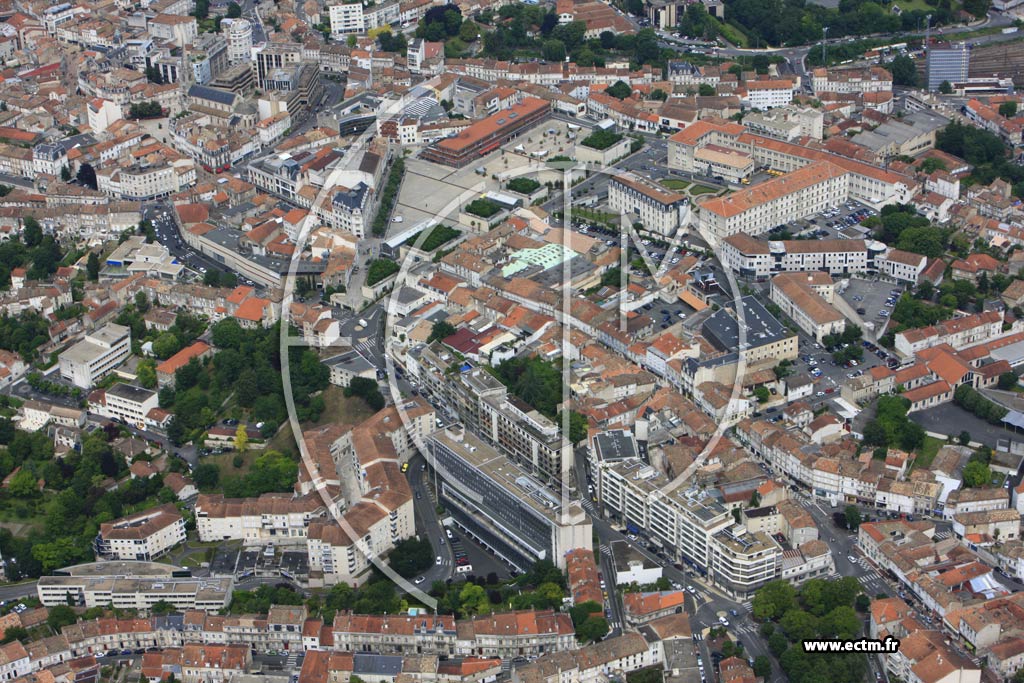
(606,550)
(942,535)
(293,659)
(748,605)
(745,628)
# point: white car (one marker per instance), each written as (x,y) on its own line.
(437,560)
(419,579)
(723,621)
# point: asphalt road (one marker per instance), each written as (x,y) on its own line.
(427,522)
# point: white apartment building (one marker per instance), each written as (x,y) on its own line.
(692,525)
(756,258)
(49,159)
(797,294)
(332,551)
(143,181)
(787,123)
(355,18)
(656,208)
(143,536)
(129,403)
(904,266)
(273,517)
(133,585)
(768,94)
(96,355)
(871,79)
(758,209)
(238,34)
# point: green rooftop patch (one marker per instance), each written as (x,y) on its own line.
(601,139)
(484,208)
(523,185)
(435,237)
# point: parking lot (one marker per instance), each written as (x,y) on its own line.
(873,301)
(841,222)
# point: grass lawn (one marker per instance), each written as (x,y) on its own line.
(675,184)
(342,410)
(339,410)
(227,468)
(927,453)
(702,189)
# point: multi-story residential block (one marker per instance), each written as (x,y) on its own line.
(482,403)
(806,298)
(755,258)
(238,34)
(657,209)
(273,517)
(768,94)
(133,585)
(145,535)
(691,525)
(96,355)
(959,333)
(755,210)
(127,403)
(903,266)
(865,80)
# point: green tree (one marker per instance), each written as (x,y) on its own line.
(799,625)
(977,474)
(762,667)
(1007,380)
(473,600)
(852,517)
(60,616)
(65,173)
(206,476)
(706,90)
(592,630)
(579,425)
(234,10)
(619,90)
(241,439)
(13,633)
(773,600)
(146,373)
(964,438)
(1008,109)
(92,266)
(904,71)
(24,484)
(411,556)
(166,345)
(946,88)
(762,394)
(554,50)
(32,234)
(441,329)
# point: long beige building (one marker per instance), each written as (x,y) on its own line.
(658,209)
(807,299)
(761,208)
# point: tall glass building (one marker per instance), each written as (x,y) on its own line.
(948,62)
